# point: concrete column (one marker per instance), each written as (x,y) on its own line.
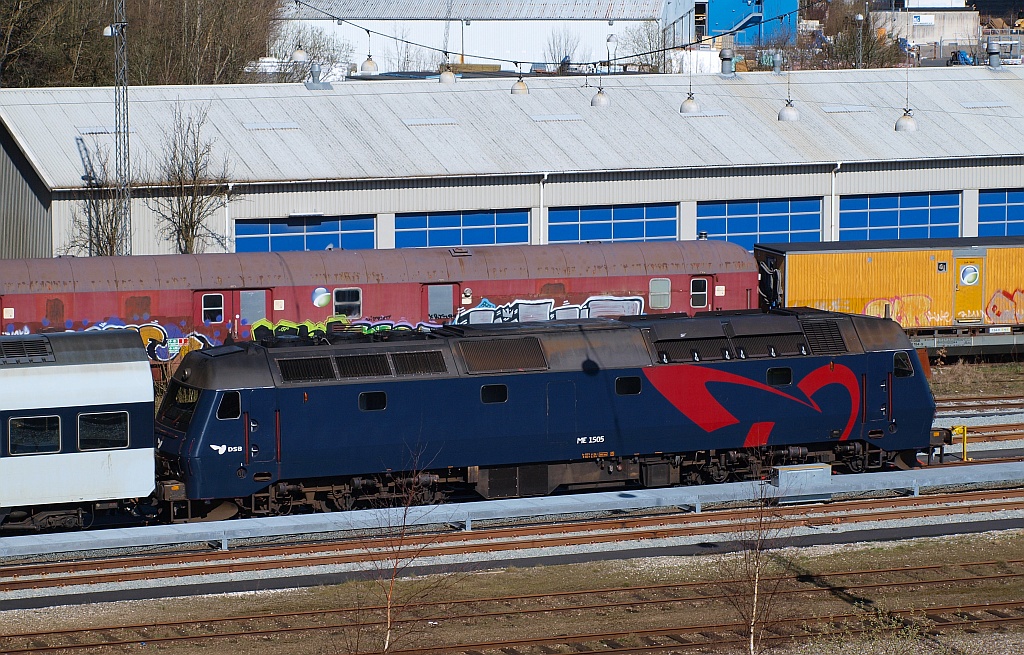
(969,213)
(687,218)
(385,231)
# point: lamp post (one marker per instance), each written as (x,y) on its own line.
(123,211)
(860,38)
(611,46)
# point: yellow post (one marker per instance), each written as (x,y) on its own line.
(962,431)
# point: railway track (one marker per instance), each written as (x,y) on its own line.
(818,613)
(979,405)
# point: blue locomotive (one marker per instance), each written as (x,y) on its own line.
(509,410)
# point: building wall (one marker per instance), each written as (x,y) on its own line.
(24,205)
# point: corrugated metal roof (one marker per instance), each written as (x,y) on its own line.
(394,129)
(475,10)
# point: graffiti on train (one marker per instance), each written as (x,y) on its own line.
(546,310)
(163,343)
(1006,307)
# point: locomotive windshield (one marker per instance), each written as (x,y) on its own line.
(178,406)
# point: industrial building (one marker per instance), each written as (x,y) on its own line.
(755,157)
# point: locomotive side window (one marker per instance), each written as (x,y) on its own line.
(901,365)
(348,302)
(230,405)
(178,405)
(103,431)
(628,386)
(213,308)
(780,377)
(698,292)
(660,293)
(373,401)
(493,393)
(31,435)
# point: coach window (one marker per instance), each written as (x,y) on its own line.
(660,296)
(780,377)
(493,393)
(103,431)
(31,435)
(373,401)
(627,386)
(230,405)
(698,292)
(213,308)
(348,302)
(901,366)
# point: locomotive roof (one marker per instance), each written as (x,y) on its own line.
(356,267)
(895,244)
(69,348)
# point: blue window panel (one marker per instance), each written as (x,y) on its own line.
(805,222)
(287,243)
(891,218)
(564,215)
(595,214)
(411,239)
(478,236)
(913,200)
(946,215)
(564,232)
(706,209)
(714,226)
(992,197)
(444,219)
(321,241)
(907,217)
(876,234)
(477,219)
(322,225)
(512,218)
(1015,229)
(742,225)
(852,220)
(627,212)
(944,231)
(1015,196)
(853,235)
(662,228)
(252,244)
(410,222)
(945,199)
(774,223)
(883,202)
(595,231)
(1015,212)
(444,237)
(357,241)
(774,207)
(805,237)
(852,203)
(914,232)
(992,229)
(518,234)
(742,208)
(246,228)
(992,214)
(357,224)
(746,242)
(812,205)
(290,226)
(628,229)
(662,210)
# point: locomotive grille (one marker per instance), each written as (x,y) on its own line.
(824,337)
(22,351)
(496,355)
(363,366)
(695,350)
(312,369)
(421,363)
(763,345)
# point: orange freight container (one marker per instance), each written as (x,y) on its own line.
(954,296)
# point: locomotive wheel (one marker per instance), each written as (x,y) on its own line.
(716,474)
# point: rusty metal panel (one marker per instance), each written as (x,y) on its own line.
(14,276)
(95,274)
(174,272)
(426,264)
(219,271)
(547,262)
(265,270)
(50,275)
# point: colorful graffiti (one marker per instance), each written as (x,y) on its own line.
(1006,307)
(519,311)
(163,343)
(911,310)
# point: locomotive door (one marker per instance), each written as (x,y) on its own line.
(219,313)
(262,432)
(439,302)
(967,289)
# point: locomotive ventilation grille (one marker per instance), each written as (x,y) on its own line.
(824,337)
(720,348)
(419,363)
(24,351)
(310,369)
(363,366)
(498,355)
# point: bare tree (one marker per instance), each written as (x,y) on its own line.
(24,24)
(332,53)
(409,57)
(645,45)
(190,185)
(563,42)
(96,227)
(846,35)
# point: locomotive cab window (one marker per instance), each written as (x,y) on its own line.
(348,302)
(627,386)
(33,435)
(213,308)
(780,377)
(230,406)
(178,406)
(493,393)
(698,293)
(660,293)
(373,401)
(103,431)
(901,365)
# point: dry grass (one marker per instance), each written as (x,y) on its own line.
(966,379)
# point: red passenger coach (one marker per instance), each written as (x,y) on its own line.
(182,302)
